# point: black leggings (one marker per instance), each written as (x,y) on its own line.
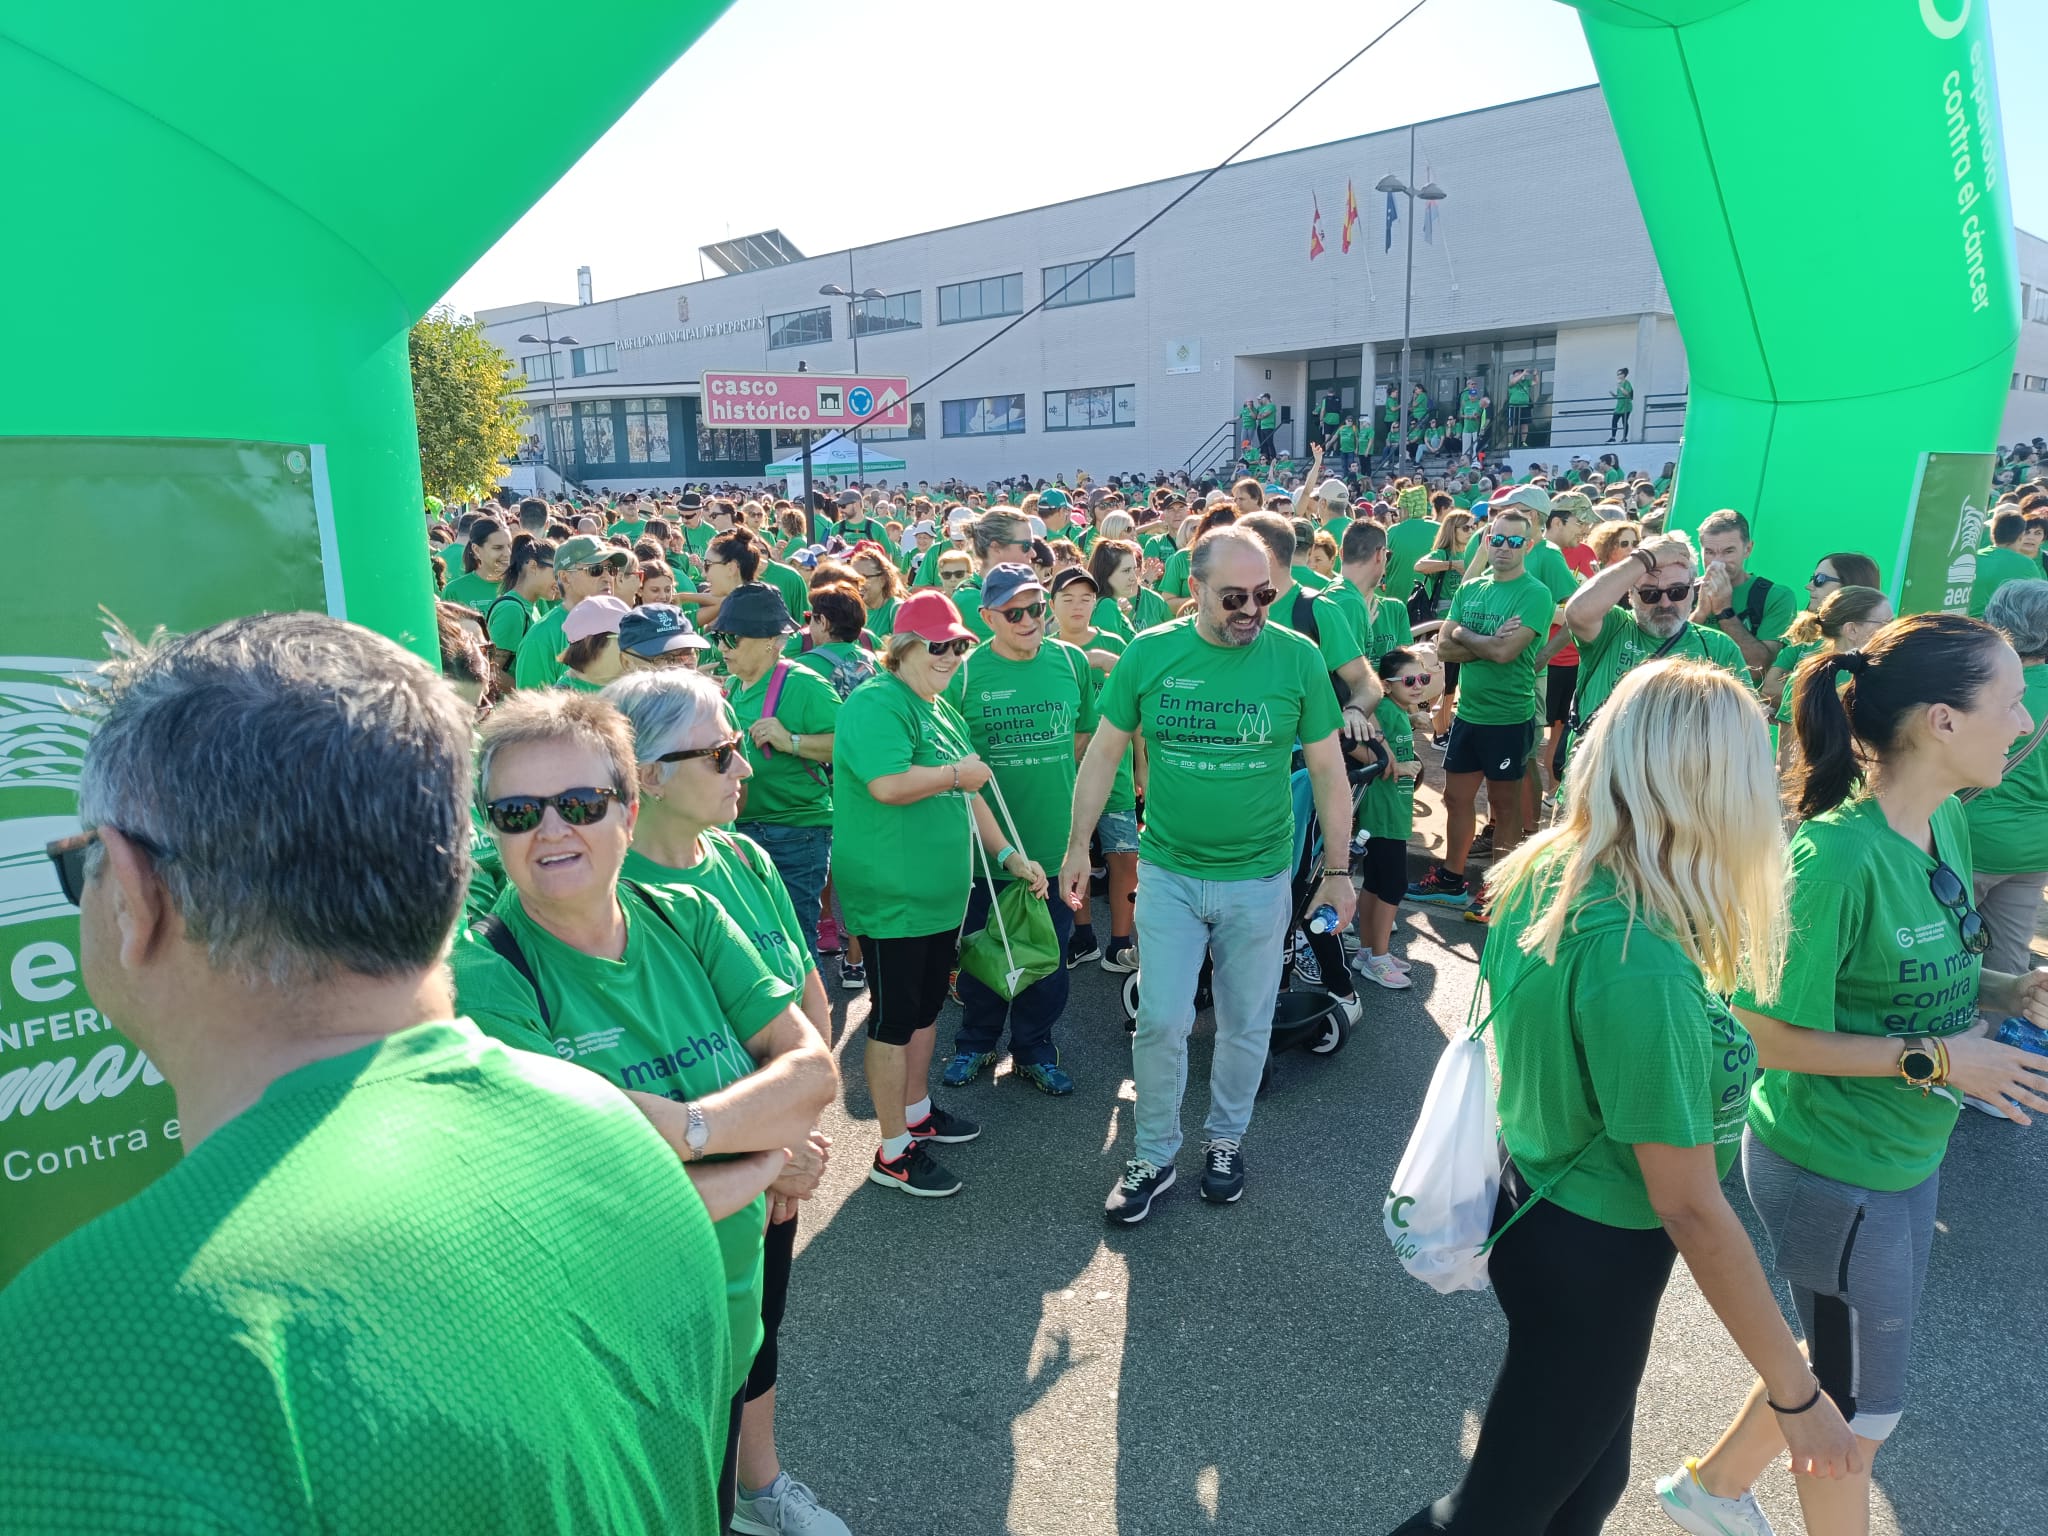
(778,1250)
(1581,1302)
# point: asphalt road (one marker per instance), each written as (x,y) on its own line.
(1002,1362)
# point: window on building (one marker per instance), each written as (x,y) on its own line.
(562,427)
(2035,382)
(897,434)
(2038,311)
(898,312)
(728,445)
(978,301)
(800,328)
(1080,410)
(539,367)
(602,358)
(1074,283)
(990,416)
(600,440)
(647,432)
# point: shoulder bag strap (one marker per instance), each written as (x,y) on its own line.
(1753,606)
(497,933)
(773,698)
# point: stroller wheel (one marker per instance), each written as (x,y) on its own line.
(1130,998)
(1335,1035)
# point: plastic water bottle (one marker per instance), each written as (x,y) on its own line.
(1324,920)
(2028,1037)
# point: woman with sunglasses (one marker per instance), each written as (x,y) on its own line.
(1612,541)
(881,588)
(484,558)
(1833,573)
(1872,1039)
(1842,621)
(788,804)
(654,987)
(692,771)
(904,806)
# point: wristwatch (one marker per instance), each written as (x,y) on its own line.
(1920,1065)
(1724,615)
(697,1135)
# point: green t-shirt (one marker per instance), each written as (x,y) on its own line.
(1781,607)
(1220,724)
(534,665)
(1494,692)
(855,529)
(2009,823)
(1407,542)
(1347,438)
(738,874)
(1468,407)
(785,789)
(900,870)
(967,598)
(471,590)
(1269,415)
(1338,637)
(790,582)
(630,531)
(1022,718)
(486,868)
(1148,609)
(670,1017)
(507,620)
(1617,1044)
(1995,568)
(1518,392)
(1308,577)
(697,537)
(1789,656)
(882,620)
(1123,791)
(1872,953)
(1173,581)
(1387,808)
(1546,562)
(1624,398)
(1622,645)
(399,1292)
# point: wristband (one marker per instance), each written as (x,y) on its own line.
(1802,1408)
(1004,857)
(1649,561)
(956,775)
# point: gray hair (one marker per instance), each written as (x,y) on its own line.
(664,707)
(2020,608)
(1231,536)
(304,779)
(535,715)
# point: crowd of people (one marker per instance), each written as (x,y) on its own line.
(710,754)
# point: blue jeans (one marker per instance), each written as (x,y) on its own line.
(1036,1009)
(801,855)
(1242,925)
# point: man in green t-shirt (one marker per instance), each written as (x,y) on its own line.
(1382,620)
(1748,609)
(1624,404)
(400,1272)
(1222,697)
(1523,384)
(1495,630)
(1029,704)
(2004,561)
(1407,542)
(1325,620)
(1268,416)
(1471,405)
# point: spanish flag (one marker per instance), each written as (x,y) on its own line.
(1315,229)
(1350,214)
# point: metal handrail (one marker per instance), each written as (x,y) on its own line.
(1584,421)
(1213,449)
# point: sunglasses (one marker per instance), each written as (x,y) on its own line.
(1508,540)
(1949,890)
(721,755)
(1258,597)
(1822,581)
(1678,594)
(1026,611)
(949,647)
(68,854)
(1415,679)
(517,814)
(952,576)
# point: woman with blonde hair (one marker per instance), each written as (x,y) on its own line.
(1625,1079)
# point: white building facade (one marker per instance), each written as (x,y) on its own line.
(1537,258)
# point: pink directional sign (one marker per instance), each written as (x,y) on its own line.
(804,400)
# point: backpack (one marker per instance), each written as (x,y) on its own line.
(497,933)
(1304,617)
(1753,605)
(847,674)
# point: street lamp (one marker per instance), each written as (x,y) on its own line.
(551,341)
(834,291)
(1429,192)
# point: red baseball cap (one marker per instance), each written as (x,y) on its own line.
(931,617)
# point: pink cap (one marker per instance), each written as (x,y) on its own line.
(931,617)
(598,615)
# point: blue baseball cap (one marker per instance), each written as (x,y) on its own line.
(1003,584)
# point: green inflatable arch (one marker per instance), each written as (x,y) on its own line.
(1825,189)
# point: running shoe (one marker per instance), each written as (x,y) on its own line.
(1483,843)
(1692,1508)
(1222,1172)
(830,940)
(916,1172)
(786,1508)
(1476,912)
(853,976)
(1120,959)
(1380,970)
(1308,971)
(1082,950)
(1440,888)
(1131,1201)
(939,1125)
(966,1067)
(1048,1077)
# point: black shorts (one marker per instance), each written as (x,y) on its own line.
(907,981)
(1518,415)
(1557,692)
(1500,752)
(1384,872)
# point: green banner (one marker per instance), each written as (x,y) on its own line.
(189,533)
(1944,529)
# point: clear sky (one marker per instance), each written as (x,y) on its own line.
(844,124)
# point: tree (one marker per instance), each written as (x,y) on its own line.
(463,394)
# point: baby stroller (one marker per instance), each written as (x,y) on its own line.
(1309,1018)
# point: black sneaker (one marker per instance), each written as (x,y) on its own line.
(1308,971)
(1131,1201)
(1440,888)
(1483,843)
(1222,1172)
(1082,948)
(916,1172)
(853,976)
(938,1125)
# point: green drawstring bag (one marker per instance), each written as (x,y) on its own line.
(1018,945)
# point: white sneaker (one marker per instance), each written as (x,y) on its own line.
(1381,969)
(786,1508)
(1399,964)
(1692,1508)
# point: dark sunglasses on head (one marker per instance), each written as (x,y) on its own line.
(949,647)
(1415,679)
(583,807)
(1508,540)
(1025,611)
(69,854)
(1258,597)
(721,755)
(1949,890)
(1677,594)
